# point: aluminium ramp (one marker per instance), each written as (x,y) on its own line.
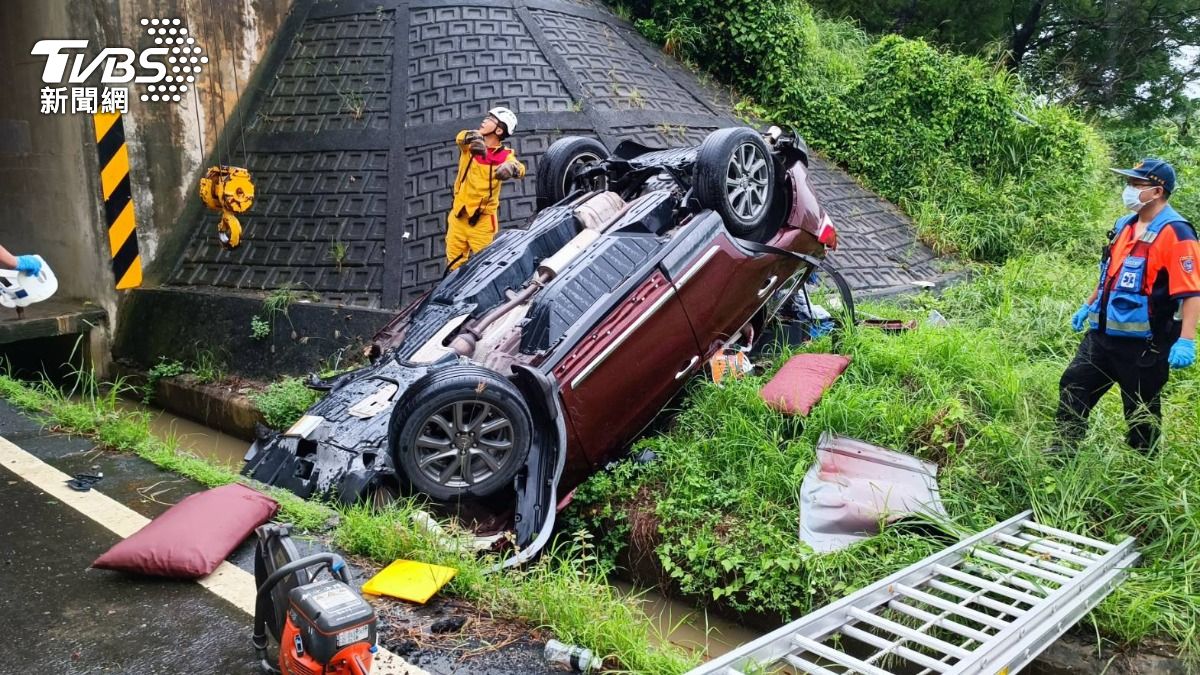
(989,604)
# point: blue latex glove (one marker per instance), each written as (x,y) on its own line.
(1080,319)
(1183,353)
(29,264)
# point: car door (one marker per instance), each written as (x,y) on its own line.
(627,367)
(720,285)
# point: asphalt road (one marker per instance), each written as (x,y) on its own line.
(60,616)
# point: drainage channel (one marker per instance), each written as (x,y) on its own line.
(679,623)
(194,437)
(688,627)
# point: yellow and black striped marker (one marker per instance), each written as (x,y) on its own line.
(118,200)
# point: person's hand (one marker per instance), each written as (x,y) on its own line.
(1183,353)
(475,143)
(29,264)
(1080,319)
(507,171)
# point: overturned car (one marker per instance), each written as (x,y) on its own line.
(539,360)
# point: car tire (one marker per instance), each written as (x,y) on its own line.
(556,171)
(462,412)
(735,176)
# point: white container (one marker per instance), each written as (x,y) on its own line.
(18,289)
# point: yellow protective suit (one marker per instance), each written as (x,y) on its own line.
(476,198)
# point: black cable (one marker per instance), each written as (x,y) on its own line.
(224,122)
(237,89)
(196,97)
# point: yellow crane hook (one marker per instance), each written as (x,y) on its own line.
(229,190)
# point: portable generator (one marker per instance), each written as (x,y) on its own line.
(320,626)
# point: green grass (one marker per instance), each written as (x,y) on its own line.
(283,402)
(978,398)
(92,409)
(566,591)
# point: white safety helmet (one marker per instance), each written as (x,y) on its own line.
(506,117)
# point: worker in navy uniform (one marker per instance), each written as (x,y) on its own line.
(1141,319)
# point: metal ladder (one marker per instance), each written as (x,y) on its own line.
(989,604)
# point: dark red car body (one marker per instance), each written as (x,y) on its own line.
(600,347)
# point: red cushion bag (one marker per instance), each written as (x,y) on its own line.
(191,539)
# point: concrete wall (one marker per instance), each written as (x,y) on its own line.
(170,144)
(49,188)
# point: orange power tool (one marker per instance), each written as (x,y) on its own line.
(321,626)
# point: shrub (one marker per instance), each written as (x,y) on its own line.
(1167,139)
(935,132)
(283,402)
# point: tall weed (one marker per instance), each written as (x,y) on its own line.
(978,398)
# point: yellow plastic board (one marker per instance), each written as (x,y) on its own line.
(409,580)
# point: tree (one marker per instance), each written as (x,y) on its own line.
(1132,57)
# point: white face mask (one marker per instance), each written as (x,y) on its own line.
(1132,196)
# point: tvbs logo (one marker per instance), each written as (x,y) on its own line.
(167,68)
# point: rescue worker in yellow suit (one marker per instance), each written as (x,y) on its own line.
(484,164)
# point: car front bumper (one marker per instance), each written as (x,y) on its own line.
(309,468)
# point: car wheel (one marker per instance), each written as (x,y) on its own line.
(735,176)
(465,433)
(556,174)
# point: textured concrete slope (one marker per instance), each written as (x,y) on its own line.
(349,136)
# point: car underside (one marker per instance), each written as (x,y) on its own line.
(542,358)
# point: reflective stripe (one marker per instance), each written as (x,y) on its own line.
(1142,328)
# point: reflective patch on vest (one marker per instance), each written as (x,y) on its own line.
(1128,281)
(1128,328)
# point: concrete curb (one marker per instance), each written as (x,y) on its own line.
(210,404)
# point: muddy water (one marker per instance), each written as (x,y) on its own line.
(686,626)
(682,625)
(196,438)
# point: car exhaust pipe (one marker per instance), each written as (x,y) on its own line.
(464,343)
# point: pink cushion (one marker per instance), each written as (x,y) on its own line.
(798,385)
(191,539)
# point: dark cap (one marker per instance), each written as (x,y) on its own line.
(1156,171)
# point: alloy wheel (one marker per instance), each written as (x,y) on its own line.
(746,182)
(579,163)
(464,443)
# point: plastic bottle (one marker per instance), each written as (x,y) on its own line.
(571,656)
